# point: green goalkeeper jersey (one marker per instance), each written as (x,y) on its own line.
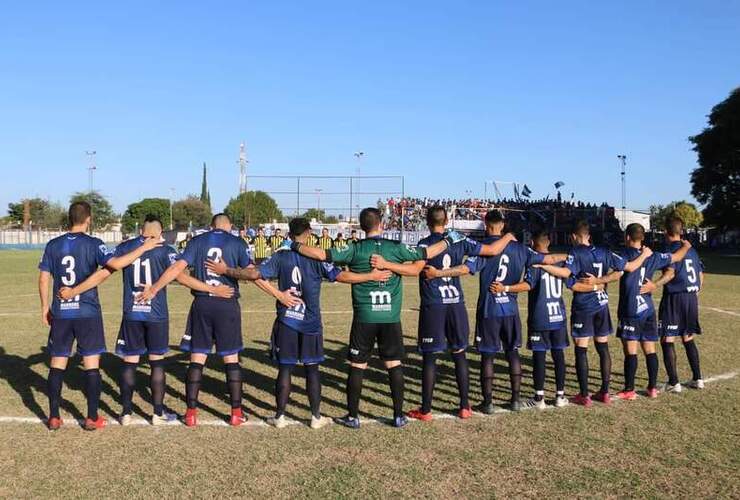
(374,301)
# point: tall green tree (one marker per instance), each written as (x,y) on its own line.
(191,210)
(44,214)
(320,216)
(205,195)
(137,212)
(716,182)
(102,211)
(260,208)
(691,216)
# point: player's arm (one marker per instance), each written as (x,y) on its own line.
(315,253)
(167,277)
(701,279)
(401,269)
(498,287)
(118,263)
(592,280)
(579,286)
(649,286)
(637,262)
(44,280)
(249,273)
(679,254)
(286,298)
(91,282)
(554,258)
(374,275)
(560,272)
(223,291)
(498,246)
(431,272)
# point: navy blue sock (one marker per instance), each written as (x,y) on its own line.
(54,389)
(93,381)
(126,385)
(652,369)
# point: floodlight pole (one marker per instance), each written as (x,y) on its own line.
(359,155)
(623,161)
(90,171)
(172,196)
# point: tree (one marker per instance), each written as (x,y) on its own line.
(136,213)
(102,211)
(205,195)
(691,216)
(320,216)
(42,213)
(260,208)
(716,182)
(190,210)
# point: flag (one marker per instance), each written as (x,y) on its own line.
(516,191)
(526,191)
(572,195)
(559,184)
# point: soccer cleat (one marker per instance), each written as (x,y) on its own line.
(92,425)
(399,422)
(652,393)
(465,413)
(534,403)
(163,419)
(419,415)
(54,423)
(580,399)
(237,417)
(602,397)
(319,422)
(348,421)
(673,388)
(191,417)
(627,395)
(561,401)
(515,405)
(696,384)
(278,422)
(125,419)
(485,408)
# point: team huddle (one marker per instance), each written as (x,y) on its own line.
(213,263)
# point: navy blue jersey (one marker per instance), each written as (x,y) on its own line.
(303,276)
(216,245)
(445,290)
(632,304)
(545,304)
(687,271)
(71,259)
(583,260)
(506,268)
(143,272)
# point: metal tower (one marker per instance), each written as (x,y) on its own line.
(242,168)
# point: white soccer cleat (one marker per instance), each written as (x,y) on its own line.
(163,419)
(696,384)
(278,422)
(561,401)
(125,420)
(318,423)
(533,403)
(673,388)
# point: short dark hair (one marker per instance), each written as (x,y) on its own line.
(340,235)
(540,234)
(354,231)
(153,218)
(369,218)
(494,217)
(277,229)
(436,216)
(581,227)
(219,217)
(78,213)
(635,231)
(674,225)
(298,226)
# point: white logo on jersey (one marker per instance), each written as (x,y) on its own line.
(380,300)
(450,294)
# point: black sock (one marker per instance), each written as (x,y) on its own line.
(428,376)
(515,373)
(538,374)
(630,369)
(652,369)
(692,353)
(462,376)
(157,385)
(192,384)
(669,360)
(93,381)
(313,388)
(126,385)
(354,390)
(234,383)
(605,363)
(558,359)
(54,389)
(486,378)
(582,369)
(395,378)
(282,388)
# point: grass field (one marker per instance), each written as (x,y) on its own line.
(685,445)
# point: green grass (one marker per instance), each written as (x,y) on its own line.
(678,445)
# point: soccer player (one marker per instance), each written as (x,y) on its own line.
(679,307)
(353,236)
(325,241)
(313,240)
(211,319)
(68,260)
(144,327)
(636,312)
(276,239)
(297,334)
(259,242)
(340,241)
(377,309)
(590,310)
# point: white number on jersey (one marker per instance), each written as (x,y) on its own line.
(138,264)
(690,270)
(69,263)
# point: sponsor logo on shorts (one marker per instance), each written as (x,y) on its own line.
(577,325)
(354,352)
(186,337)
(628,328)
(121,342)
(478,339)
(671,327)
(536,338)
(427,340)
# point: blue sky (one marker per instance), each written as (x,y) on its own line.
(446,93)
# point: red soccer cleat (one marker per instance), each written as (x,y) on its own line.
(54,423)
(652,393)
(191,417)
(237,417)
(582,400)
(627,395)
(602,397)
(92,425)
(418,415)
(465,413)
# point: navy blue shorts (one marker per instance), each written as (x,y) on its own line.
(594,324)
(644,329)
(290,347)
(142,337)
(546,340)
(442,327)
(679,314)
(213,320)
(498,334)
(88,332)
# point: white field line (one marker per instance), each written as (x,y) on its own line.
(716,309)
(257,422)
